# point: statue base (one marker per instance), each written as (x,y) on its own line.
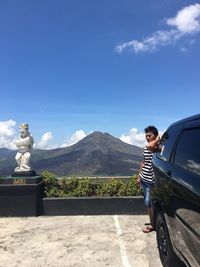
(24,174)
(21,195)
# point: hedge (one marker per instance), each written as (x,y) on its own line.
(86,187)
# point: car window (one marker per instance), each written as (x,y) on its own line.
(167,143)
(188,150)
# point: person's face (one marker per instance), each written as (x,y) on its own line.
(150,136)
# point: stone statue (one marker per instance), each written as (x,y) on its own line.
(24,144)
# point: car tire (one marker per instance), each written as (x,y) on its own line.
(167,255)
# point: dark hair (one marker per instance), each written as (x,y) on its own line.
(152,129)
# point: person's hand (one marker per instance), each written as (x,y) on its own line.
(157,145)
(158,139)
(138,181)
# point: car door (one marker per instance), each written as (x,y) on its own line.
(185,197)
(163,191)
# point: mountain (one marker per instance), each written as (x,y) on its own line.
(96,154)
(5,153)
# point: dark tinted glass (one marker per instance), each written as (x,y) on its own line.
(167,142)
(188,150)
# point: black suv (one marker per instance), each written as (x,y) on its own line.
(176,196)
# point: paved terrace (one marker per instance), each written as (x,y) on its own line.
(77,241)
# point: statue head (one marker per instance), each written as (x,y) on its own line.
(24,130)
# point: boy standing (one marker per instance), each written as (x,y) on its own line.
(146,174)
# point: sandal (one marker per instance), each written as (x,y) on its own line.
(148,229)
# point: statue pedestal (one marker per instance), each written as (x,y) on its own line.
(24,174)
(21,196)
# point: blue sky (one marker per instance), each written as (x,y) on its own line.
(70,67)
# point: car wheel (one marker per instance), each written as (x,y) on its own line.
(167,255)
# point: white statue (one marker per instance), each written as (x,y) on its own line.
(24,144)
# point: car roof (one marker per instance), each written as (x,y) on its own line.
(191,118)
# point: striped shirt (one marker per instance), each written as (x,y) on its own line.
(147,173)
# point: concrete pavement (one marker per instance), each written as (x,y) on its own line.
(76,241)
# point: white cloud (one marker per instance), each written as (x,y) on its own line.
(8,137)
(187,19)
(158,38)
(7,134)
(44,141)
(136,138)
(186,22)
(77,136)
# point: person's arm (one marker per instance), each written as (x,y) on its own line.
(153,145)
(138,177)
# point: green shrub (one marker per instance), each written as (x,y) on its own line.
(112,187)
(132,187)
(50,184)
(53,192)
(69,185)
(86,187)
(49,178)
(77,187)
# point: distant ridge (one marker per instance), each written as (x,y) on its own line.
(96,154)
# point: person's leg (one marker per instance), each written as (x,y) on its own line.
(150,227)
(150,213)
(146,189)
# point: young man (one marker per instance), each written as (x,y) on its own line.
(146,174)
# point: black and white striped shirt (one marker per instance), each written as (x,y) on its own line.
(146,173)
